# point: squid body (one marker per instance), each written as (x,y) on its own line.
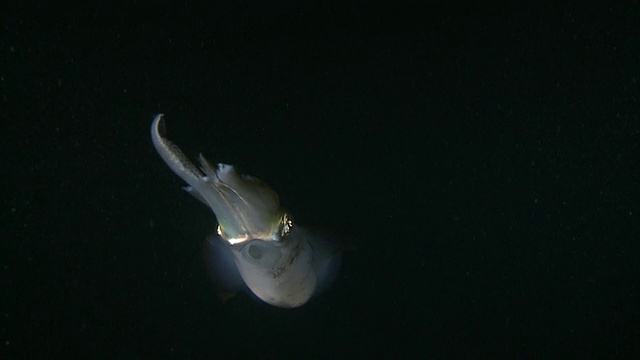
(257,245)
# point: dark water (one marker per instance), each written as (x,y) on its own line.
(482,158)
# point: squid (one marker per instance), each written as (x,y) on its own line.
(257,245)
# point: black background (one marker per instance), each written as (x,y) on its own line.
(483,158)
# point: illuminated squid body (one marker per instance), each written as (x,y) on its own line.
(257,245)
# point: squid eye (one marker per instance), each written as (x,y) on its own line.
(287,225)
(255,252)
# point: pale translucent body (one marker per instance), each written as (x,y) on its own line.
(257,242)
